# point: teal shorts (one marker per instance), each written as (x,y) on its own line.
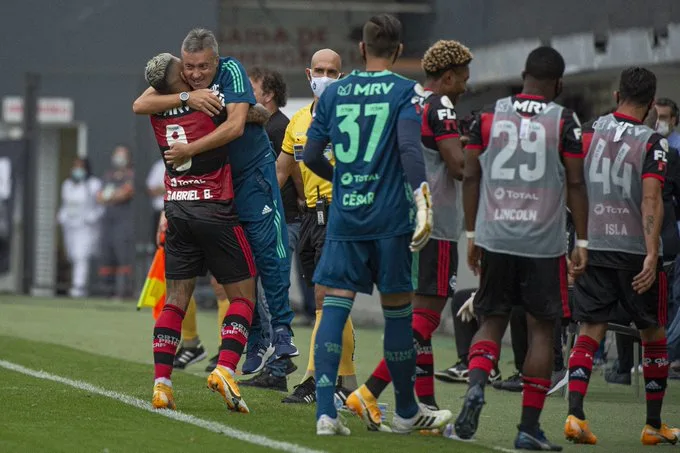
(357,265)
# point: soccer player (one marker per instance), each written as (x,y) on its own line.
(446,66)
(522,155)
(371,119)
(191,349)
(256,192)
(625,167)
(203,234)
(325,68)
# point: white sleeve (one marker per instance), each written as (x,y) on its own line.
(156,176)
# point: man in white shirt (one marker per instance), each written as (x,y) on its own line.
(155,187)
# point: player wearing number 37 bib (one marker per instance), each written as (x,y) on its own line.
(372,121)
(522,154)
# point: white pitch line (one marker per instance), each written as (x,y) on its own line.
(215,427)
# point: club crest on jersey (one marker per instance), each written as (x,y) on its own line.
(217,92)
(418,100)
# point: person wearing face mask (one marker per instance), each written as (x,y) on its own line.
(667,121)
(117,242)
(325,68)
(79,217)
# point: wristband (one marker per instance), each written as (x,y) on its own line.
(582,243)
(470,234)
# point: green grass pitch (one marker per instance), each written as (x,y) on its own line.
(108,345)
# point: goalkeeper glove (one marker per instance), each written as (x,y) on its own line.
(423,230)
(467,311)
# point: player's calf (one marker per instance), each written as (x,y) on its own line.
(166,338)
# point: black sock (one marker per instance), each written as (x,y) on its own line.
(529,422)
(428,400)
(478,376)
(654,407)
(375,385)
(576,405)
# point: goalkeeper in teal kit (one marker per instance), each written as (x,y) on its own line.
(372,118)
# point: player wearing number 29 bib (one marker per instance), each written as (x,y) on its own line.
(522,154)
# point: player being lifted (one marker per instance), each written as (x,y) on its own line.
(446,68)
(374,126)
(203,233)
(625,167)
(522,152)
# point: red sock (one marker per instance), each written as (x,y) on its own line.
(534,391)
(581,364)
(425,322)
(166,335)
(655,371)
(235,329)
(483,356)
(533,398)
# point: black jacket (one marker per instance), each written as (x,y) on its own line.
(671,211)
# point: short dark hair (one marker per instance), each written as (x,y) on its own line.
(666,102)
(637,85)
(382,35)
(544,63)
(272,83)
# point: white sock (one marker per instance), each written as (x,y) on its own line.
(162,380)
(226,369)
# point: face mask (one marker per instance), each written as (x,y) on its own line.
(663,128)
(119,161)
(78,174)
(319,84)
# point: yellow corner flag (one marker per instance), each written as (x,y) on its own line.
(153,293)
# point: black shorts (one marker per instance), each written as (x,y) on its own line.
(604,294)
(437,268)
(194,246)
(312,238)
(539,285)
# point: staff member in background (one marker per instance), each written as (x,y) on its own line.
(155,187)
(79,217)
(325,68)
(667,121)
(117,240)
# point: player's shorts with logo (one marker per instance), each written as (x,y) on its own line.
(437,268)
(204,236)
(312,239)
(357,265)
(539,285)
(604,294)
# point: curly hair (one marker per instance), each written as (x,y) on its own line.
(272,83)
(444,55)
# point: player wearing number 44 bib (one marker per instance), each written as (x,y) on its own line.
(374,126)
(625,168)
(522,154)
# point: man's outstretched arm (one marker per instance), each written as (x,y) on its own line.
(151,102)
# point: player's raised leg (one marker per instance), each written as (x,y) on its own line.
(231,262)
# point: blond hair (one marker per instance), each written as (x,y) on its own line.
(444,55)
